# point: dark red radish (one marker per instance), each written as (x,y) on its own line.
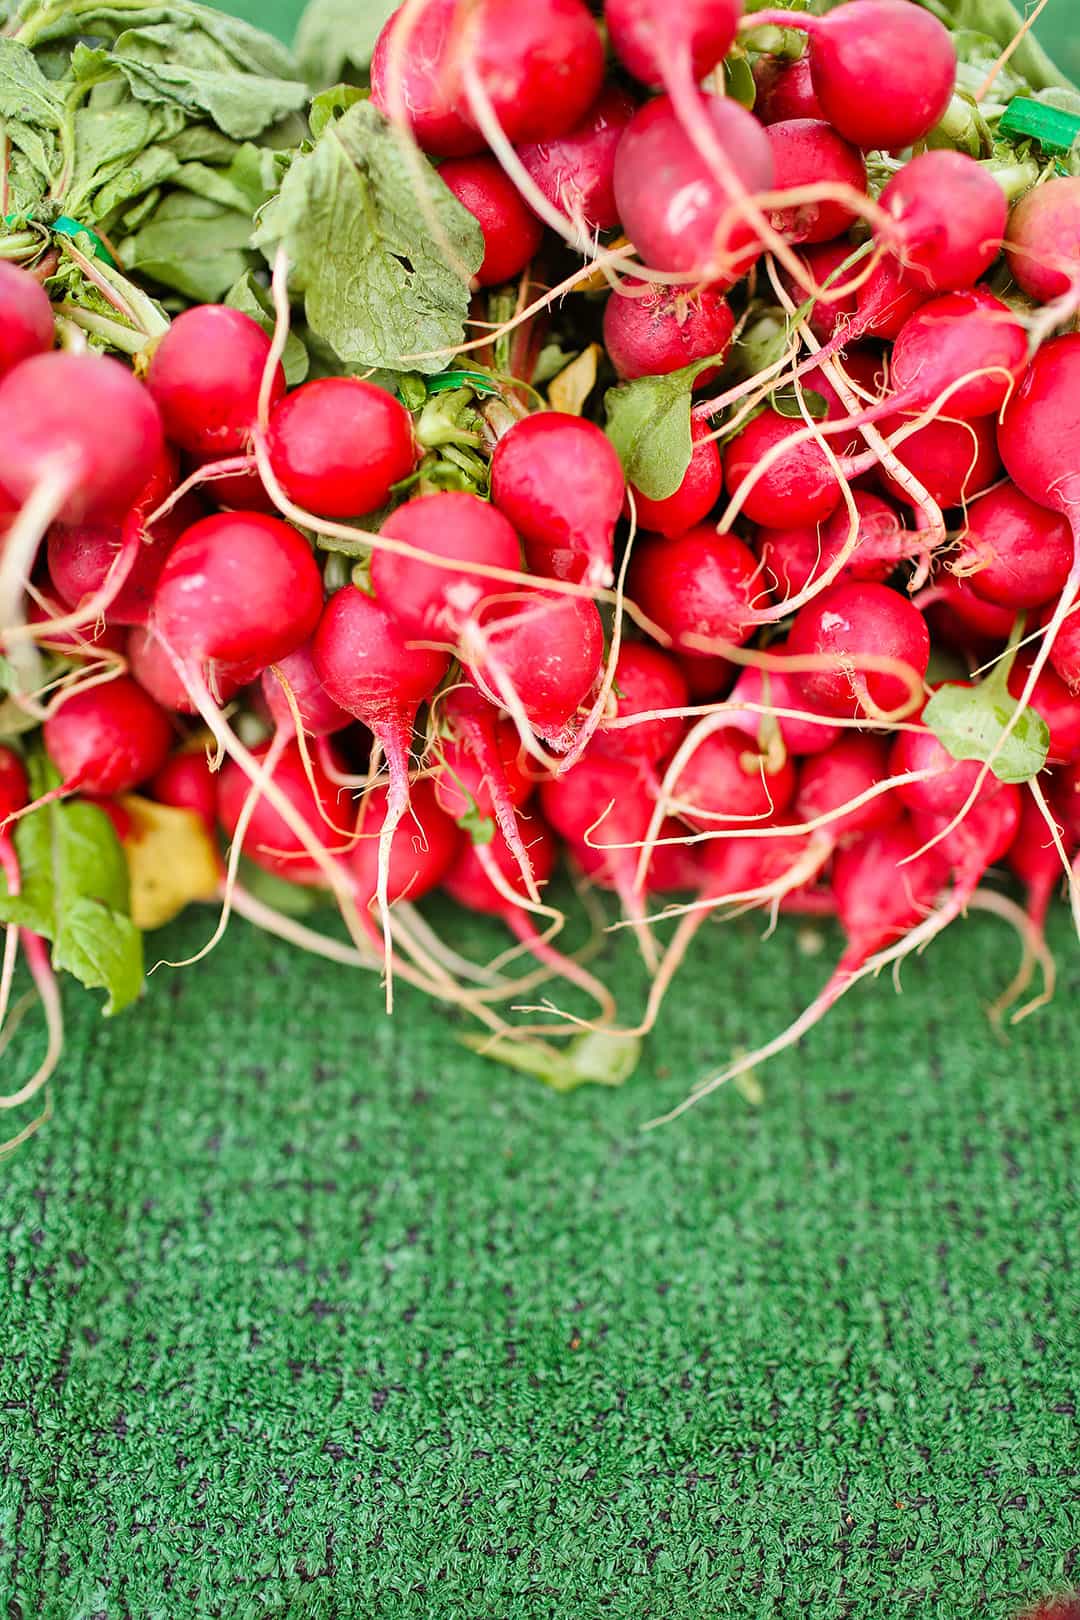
(576,171)
(1012,551)
(14,784)
(541,654)
(950,216)
(822,262)
(882,70)
(601,808)
(963,620)
(1059,707)
(695,497)
(1043,247)
(850,769)
(512,232)
(186,782)
(651,40)
(706,677)
(851,627)
(26,317)
(651,329)
(792,558)
(108,738)
(241,490)
(482,770)
(559,481)
(1065,653)
(807,152)
(677,211)
(423,848)
(338,445)
(269,841)
(770,690)
(785,90)
(646,680)
(726,780)
(539,66)
(954,461)
(1034,859)
(156,673)
(699,585)
(320,716)
(949,782)
(424,599)
(800,486)
(205,375)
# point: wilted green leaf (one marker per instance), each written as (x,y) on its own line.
(969,721)
(648,422)
(249,295)
(337,34)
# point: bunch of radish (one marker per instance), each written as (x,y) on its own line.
(829,669)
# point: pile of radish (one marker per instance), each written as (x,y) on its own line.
(785,622)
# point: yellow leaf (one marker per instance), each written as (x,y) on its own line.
(572,387)
(597,280)
(172,860)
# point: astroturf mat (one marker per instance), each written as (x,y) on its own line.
(309,1312)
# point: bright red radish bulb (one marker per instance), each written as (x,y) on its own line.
(732,867)
(107,739)
(702,585)
(411,69)
(469,883)
(774,689)
(26,317)
(559,482)
(883,70)
(602,809)
(885,299)
(950,337)
(186,782)
(422,849)
(543,653)
(670,201)
(80,425)
(320,716)
(205,376)
(794,557)
(156,673)
(576,171)
(823,261)
(1039,435)
(695,497)
(242,491)
(977,842)
(238,588)
(847,626)
(881,892)
(650,330)
(726,780)
(950,218)
(1033,858)
(652,40)
(269,841)
(87,641)
(854,765)
(784,90)
(1043,249)
(1012,551)
(1059,707)
(954,461)
(807,151)
(424,599)
(646,679)
(946,791)
(1065,653)
(799,487)
(483,768)
(512,232)
(338,445)
(14,785)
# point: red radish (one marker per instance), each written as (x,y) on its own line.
(807,152)
(422,849)
(1033,858)
(676,210)
(650,39)
(88,641)
(338,445)
(883,70)
(1014,552)
(576,171)
(885,300)
(793,557)
(957,334)
(269,841)
(155,672)
(1043,248)
(695,497)
(543,654)
(784,90)
(646,680)
(729,868)
(963,620)
(973,845)
(239,588)
(540,67)
(950,781)
(1058,706)
(108,738)
(1039,434)
(205,376)
(954,461)
(773,689)
(1065,653)
(650,330)
(851,625)
(512,232)
(800,487)
(14,786)
(701,584)
(602,810)
(186,782)
(482,770)
(950,218)
(823,262)
(725,781)
(26,317)
(848,769)
(426,600)
(706,677)
(242,491)
(320,716)
(558,480)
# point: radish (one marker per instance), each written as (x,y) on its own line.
(807,152)
(239,491)
(650,38)
(1065,653)
(205,375)
(961,333)
(882,70)
(539,67)
(646,680)
(699,587)
(695,497)
(784,90)
(725,781)
(771,690)
(950,216)
(650,330)
(706,677)
(601,808)
(540,656)
(799,487)
(576,171)
(963,620)
(851,627)
(482,771)
(26,317)
(512,233)
(885,300)
(338,445)
(14,787)
(1033,858)
(822,262)
(150,664)
(792,557)
(87,641)
(678,213)
(186,782)
(559,481)
(1014,552)
(954,461)
(848,770)
(977,842)
(319,715)
(107,739)
(1051,698)
(948,782)
(422,849)
(269,841)
(430,601)
(1043,249)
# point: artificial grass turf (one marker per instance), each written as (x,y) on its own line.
(308,1312)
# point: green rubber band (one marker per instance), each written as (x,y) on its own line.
(1056,131)
(448,380)
(64,225)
